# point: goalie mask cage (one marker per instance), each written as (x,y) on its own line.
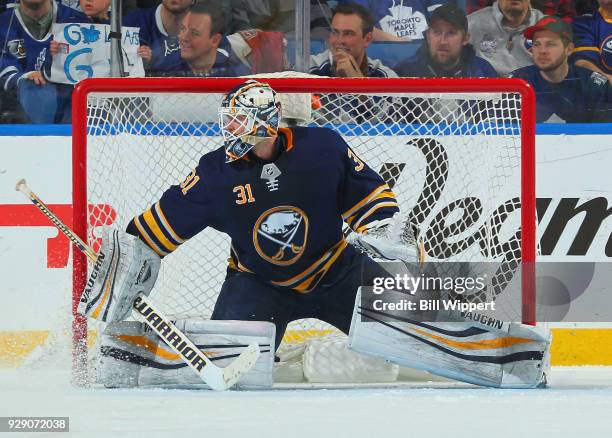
(458,153)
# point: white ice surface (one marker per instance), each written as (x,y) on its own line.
(578,404)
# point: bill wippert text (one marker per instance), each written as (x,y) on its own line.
(407,305)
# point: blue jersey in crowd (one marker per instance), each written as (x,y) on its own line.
(470,66)
(402,18)
(593,39)
(323,65)
(285,218)
(23,53)
(583,96)
(226,64)
(165,48)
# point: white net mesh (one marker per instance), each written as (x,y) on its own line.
(453,161)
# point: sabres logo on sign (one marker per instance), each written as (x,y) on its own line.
(280,235)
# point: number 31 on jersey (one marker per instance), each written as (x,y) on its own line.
(244,193)
(358,163)
(189,182)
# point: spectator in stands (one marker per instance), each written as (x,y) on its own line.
(402,20)
(446,51)
(159,29)
(497,34)
(593,39)
(25,32)
(560,8)
(564,92)
(204,50)
(351,34)
(97,10)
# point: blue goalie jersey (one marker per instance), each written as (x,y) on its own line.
(285,218)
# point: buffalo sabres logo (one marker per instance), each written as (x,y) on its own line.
(280,235)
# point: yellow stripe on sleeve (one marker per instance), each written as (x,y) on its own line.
(381,196)
(385,195)
(371,211)
(147,238)
(166,224)
(157,232)
(364,201)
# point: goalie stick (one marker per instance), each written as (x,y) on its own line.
(216,377)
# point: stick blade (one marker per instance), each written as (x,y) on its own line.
(221,379)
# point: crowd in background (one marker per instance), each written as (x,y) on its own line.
(562,47)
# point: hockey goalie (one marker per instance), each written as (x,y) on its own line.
(283,196)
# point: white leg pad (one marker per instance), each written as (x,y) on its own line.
(513,356)
(132,355)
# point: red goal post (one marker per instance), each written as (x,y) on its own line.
(87,126)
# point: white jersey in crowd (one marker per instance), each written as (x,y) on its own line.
(504,47)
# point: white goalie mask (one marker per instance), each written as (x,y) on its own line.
(248,114)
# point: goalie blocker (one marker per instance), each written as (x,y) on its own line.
(514,356)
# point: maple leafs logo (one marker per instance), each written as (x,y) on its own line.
(90,35)
(404,21)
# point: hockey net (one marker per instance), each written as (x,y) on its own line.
(459,155)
